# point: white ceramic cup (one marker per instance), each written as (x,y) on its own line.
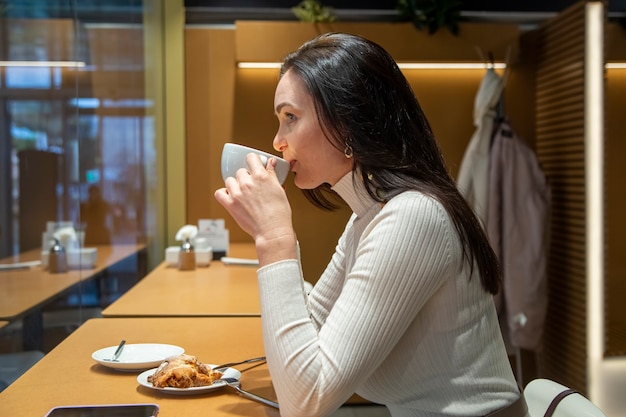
(234,158)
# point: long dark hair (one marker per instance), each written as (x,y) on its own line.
(365,104)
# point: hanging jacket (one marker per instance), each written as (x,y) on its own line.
(472,179)
(517,224)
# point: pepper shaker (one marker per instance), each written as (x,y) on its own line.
(187,257)
(57,258)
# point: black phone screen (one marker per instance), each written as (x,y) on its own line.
(115,410)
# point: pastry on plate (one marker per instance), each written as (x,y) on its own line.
(183,371)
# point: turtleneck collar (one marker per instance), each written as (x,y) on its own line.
(351,189)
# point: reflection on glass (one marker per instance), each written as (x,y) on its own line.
(93,117)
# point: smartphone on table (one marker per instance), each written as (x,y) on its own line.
(105,410)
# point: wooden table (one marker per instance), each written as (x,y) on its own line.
(216,290)
(24,291)
(68,375)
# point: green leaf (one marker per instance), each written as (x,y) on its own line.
(433,14)
(313,11)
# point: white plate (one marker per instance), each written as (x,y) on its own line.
(142,378)
(137,356)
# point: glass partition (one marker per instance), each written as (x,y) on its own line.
(78,163)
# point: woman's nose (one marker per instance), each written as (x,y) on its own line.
(279,143)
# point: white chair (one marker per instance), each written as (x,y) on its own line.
(540,393)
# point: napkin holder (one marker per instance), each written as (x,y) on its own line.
(203,256)
(215,234)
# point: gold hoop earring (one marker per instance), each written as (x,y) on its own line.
(348,152)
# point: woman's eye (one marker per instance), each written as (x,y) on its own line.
(290,116)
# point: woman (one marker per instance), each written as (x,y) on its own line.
(403,314)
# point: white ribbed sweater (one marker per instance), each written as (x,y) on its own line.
(393,318)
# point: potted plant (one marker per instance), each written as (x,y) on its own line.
(431,14)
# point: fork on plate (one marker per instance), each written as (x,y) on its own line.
(228,365)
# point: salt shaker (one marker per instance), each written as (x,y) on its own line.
(57,258)
(186,257)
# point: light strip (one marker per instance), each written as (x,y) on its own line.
(422,65)
(72,64)
(450,65)
(402,65)
(258,65)
(594,194)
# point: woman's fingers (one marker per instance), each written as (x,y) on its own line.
(271,166)
(258,165)
(254,198)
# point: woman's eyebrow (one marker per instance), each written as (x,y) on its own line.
(280,106)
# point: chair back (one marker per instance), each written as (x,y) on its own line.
(541,393)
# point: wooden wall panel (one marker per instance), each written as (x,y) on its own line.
(444,95)
(615,290)
(271,41)
(237,105)
(560,148)
(209,102)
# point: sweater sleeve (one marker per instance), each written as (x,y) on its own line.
(403,255)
